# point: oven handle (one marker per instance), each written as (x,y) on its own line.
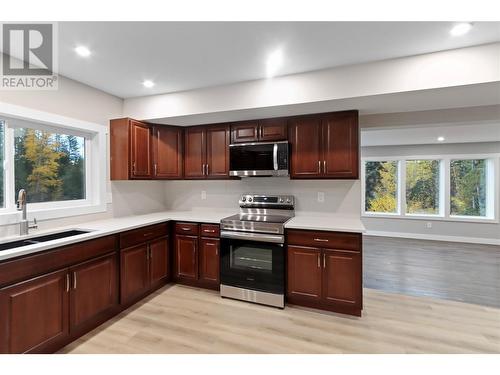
(260,237)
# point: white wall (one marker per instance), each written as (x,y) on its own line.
(341,197)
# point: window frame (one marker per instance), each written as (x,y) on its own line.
(95,172)
(492,192)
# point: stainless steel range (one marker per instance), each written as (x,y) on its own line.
(252,249)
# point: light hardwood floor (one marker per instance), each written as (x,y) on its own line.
(180,319)
(449,270)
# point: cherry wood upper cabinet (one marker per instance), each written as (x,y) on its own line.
(306,147)
(325,146)
(167,152)
(140,150)
(341,145)
(195,152)
(273,129)
(94,289)
(34,313)
(304,272)
(217,152)
(206,152)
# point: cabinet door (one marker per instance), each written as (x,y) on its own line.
(186,257)
(342,278)
(158,260)
(209,260)
(34,313)
(168,152)
(94,289)
(305,139)
(134,266)
(247,131)
(140,148)
(273,130)
(194,152)
(341,145)
(217,152)
(304,273)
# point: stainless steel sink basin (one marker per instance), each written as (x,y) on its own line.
(42,238)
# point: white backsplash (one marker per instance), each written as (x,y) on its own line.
(340,196)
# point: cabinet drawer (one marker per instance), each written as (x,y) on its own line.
(186,228)
(322,239)
(210,230)
(137,236)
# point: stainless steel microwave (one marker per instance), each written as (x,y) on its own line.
(259,159)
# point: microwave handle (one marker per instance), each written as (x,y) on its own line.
(275,156)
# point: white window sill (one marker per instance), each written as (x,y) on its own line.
(471,219)
(13,217)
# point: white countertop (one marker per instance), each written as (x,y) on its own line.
(302,220)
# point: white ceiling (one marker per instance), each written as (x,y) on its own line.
(180,56)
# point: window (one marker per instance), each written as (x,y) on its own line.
(50,166)
(423,187)
(454,188)
(468,187)
(57,160)
(381,186)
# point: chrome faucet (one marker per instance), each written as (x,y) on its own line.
(24,225)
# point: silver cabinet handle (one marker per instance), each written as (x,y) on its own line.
(156,169)
(209,230)
(67,282)
(207,169)
(147,234)
(319,260)
(324,166)
(320,240)
(319,166)
(150,253)
(324,261)
(184,228)
(203,169)
(74,280)
(210,244)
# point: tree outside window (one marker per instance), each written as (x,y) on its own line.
(422,187)
(468,187)
(381,186)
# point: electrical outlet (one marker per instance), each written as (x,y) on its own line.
(203,195)
(321,196)
(429,225)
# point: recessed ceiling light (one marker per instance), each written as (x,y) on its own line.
(148,83)
(82,51)
(274,62)
(440,139)
(461,29)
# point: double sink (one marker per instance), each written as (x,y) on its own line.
(42,238)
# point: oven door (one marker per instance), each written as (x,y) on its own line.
(253,265)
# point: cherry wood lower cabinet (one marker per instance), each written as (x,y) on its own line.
(197,255)
(327,277)
(144,267)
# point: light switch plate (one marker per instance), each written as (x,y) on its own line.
(429,225)
(203,195)
(321,196)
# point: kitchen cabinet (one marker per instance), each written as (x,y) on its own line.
(197,254)
(325,146)
(206,152)
(324,270)
(267,130)
(168,152)
(186,250)
(94,289)
(143,261)
(34,313)
(140,150)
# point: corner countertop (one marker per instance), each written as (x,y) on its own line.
(302,220)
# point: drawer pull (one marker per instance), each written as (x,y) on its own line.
(320,240)
(185,228)
(209,230)
(147,234)
(67,282)
(319,261)
(210,244)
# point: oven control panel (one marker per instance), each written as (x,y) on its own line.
(267,201)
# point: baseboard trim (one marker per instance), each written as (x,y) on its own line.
(434,237)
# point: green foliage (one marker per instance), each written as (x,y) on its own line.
(49,166)
(422,187)
(381,186)
(468,187)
